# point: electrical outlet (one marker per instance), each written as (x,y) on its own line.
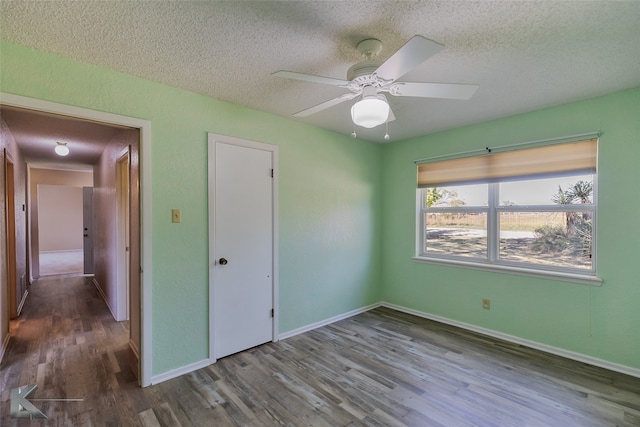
(486,303)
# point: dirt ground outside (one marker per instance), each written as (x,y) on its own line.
(514,246)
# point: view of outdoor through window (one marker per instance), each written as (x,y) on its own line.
(545,222)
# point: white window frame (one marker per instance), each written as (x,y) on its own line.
(492,262)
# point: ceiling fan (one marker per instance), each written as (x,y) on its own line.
(371,79)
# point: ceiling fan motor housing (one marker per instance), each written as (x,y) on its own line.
(362,73)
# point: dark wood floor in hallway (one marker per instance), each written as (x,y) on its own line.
(380,368)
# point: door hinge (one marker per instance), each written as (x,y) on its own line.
(271,173)
(272,312)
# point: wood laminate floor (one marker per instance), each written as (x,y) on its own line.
(61,262)
(380,368)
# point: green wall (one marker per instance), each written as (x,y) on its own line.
(330,198)
(601,322)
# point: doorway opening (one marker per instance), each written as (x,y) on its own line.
(140,255)
(59,230)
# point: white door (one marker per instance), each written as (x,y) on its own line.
(87,223)
(241,244)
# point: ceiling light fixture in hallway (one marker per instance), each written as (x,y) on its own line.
(61,148)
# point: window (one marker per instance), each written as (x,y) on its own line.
(532,208)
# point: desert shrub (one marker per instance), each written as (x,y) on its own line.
(555,239)
(580,241)
(549,238)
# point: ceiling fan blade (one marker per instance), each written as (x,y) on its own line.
(309,78)
(325,105)
(417,50)
(434,90)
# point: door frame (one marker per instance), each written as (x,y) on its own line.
(273,149)
(10,218)
(144,128)
(123,227)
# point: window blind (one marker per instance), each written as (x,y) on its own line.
(573,157)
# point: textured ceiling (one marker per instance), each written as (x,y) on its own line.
(525,55)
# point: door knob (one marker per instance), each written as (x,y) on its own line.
(222,261)
(86,235)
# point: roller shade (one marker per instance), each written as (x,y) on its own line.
(574,157)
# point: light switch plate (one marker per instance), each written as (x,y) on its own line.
(176,215)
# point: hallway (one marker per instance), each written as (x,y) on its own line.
(67,343)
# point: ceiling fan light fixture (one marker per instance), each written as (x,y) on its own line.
(61,149)
(371,111)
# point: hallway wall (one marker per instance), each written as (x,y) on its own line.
(8,142)
(105,227)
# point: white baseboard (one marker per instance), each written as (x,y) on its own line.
(484,331)
(328,321)
(156,379)
(206,362)
(5,344)
(21,305)
(579,357)
(104,297)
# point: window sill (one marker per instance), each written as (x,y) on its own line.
(584,279)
